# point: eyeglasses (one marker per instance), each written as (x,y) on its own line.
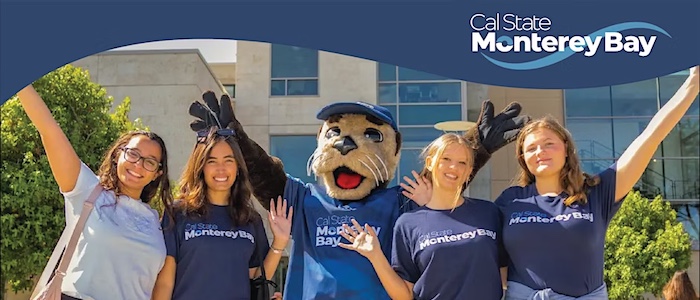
(134,156)
(225,132)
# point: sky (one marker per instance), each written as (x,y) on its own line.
(214,51)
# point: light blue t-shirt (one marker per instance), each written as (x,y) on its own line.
(318,268)
(121,250)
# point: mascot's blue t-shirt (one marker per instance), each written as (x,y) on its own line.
(318,268)
(555,246)
(213,256)
(451,254)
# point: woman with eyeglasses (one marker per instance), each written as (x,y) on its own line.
(121,249)
(215,239)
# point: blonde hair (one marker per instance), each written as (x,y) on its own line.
(435,150)
(574,181)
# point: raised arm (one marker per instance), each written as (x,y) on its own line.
(635,159)
(64,162)
(267,175)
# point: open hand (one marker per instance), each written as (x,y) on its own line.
(280,221)
(364,240)
(419,190)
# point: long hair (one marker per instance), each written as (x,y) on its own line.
(193,188)
(574,181)
(436,149)
(679,287)
(159,187)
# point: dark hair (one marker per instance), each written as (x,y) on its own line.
(160,187)
(193,188)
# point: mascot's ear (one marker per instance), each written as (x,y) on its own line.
(398,142)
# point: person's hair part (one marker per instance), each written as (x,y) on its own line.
(573,180)
(193,189)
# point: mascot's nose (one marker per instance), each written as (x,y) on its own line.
(345,145)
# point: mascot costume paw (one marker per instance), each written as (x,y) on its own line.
(356,158)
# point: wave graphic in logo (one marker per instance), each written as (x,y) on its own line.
(559,56)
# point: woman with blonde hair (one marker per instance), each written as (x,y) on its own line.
(448,249)
(554,222)
(120,250)
(679,287)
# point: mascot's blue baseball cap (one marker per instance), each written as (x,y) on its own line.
(357,107)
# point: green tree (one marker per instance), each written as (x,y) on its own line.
(645,245)
(32,206)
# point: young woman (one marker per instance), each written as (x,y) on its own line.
(121,249)
(447,249)
(215,238)
(679,288)
(554,223)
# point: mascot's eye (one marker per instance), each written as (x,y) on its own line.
(335,131)
(374,135)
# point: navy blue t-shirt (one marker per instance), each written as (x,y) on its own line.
(555,246)
(318,268)
(213,256)
(451,254)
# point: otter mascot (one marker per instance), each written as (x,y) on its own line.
(356,158)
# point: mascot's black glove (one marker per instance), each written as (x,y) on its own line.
(492,133)
(496,132)
(212,113)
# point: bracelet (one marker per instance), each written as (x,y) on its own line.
(275,250)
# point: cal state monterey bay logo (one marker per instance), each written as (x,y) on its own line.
(530,36)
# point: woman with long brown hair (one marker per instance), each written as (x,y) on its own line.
(215,239)
(679,287)
(121,249)
(555,220)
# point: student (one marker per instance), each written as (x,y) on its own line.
(554,222)
(215,237)
(447,249)
(679,287)
(121,249)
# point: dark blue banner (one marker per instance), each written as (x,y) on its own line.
(533,44)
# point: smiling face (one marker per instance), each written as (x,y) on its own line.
(451,169)
(220,168)
(138,165)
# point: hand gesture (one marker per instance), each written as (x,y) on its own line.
(280,222)
(496,132)
(364,241)
(419,191)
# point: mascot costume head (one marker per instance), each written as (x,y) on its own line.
(356,158)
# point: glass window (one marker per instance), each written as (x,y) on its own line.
(430,92)
(593,137)
(294,151)
(230,90)
(625,131)
(635,99)
(688,215)
(278,87)
(592,102)
(410,161)
(681,180)
(387,72)
(293,62)
(684,139)
(668,85)
(387,93)
(428,114)
(418,137)
(302,87)
(409,74)
(595,166)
